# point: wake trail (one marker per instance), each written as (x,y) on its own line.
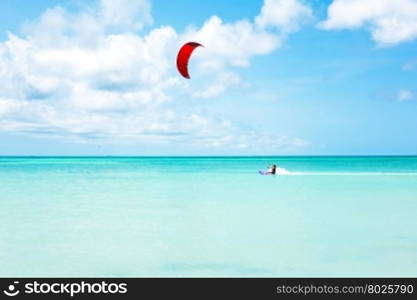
(282,171)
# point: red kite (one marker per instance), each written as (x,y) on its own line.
(184,56)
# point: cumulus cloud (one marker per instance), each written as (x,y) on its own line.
(232,45)
(223,82)
(286,15)
(92,74)
(405,95)
(389,21)
(126,14)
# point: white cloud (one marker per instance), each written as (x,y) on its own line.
(92,75)
(127,14)
(7,106)
(286,15)
(390,21)
(230,44)
(223,82)
(405,95)
(233,44)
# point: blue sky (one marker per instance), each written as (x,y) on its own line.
(282,77)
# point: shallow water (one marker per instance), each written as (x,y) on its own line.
(208,216)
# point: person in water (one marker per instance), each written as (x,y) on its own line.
(272,169)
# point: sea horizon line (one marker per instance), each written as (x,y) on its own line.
(206,156)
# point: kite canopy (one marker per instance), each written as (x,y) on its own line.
(184,56)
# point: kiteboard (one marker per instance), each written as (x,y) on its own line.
(264,172)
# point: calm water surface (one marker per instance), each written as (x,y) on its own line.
(208,216)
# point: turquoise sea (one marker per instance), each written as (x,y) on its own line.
(208,216)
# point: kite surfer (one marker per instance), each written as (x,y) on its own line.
(272,170)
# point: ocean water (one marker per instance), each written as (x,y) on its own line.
(208,216)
